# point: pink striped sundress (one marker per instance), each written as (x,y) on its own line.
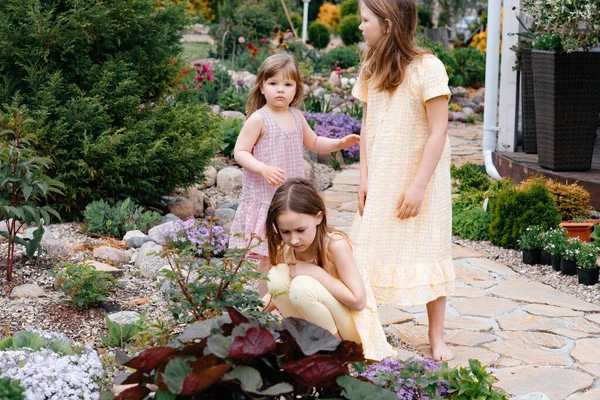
(278,148)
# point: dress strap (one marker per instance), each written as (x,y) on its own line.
(297,116)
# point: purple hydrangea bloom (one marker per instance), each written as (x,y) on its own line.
(336,126)
(196,233)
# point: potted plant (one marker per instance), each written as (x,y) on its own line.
(545,256)
(587,264)
(555,242)
(568,262)
(580,227)
(530,244)
(564,72)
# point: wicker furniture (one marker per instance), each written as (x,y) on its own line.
(567,104)
(528,103)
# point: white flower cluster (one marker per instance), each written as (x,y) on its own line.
(46,375)
(348,82)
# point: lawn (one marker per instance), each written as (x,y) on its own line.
(195,50)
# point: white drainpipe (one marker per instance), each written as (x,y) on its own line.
(490,122)
(305,20)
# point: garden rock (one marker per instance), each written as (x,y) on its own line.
(135,239)
(479,97)
(209,212)
(112,254)
(124,317)
(158,233)
(149,265)
(247,77)
(319,92)
(109,269)
(170,218)
(216,108)
(458,92)
(464,102)
(56,248)
(459,117)
(48,236)
(230,204)
(468,111)
(182,207)
(334,79)
(29,290)
(210,177)
(229,179)
(233,114)
(225,215)
(197,198)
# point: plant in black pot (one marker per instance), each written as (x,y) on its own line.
(568,263)
(555,242)
(530,244)
(587,264)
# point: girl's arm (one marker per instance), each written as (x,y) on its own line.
(319,144)
(350,290)
(364,172)
(437,117)
(242,152)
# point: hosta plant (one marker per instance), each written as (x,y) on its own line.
(233,357)
(100,217)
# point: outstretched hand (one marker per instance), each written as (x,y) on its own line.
(410,202)
(349,141)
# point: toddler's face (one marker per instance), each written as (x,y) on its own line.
(371,27)
(298,230)
(279,90)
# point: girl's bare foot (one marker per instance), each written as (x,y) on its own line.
(440,351)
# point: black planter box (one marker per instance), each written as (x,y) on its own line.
(587,276)
(568,267)
(555,262)
(545,258)
(532,256)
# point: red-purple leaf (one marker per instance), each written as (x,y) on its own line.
(237,317)
(196,349)
(256,342)
(137,377)
(196,382)
(134,393)
(204,362)
(151,358)
(318,370)
(348,351)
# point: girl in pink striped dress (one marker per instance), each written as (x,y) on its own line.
(270,148)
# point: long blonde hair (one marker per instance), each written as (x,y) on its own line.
(299,196)
(272,65)
(385,63)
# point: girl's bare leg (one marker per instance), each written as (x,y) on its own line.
(263,268)
(436,311)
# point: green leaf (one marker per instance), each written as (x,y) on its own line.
(30,340)
(359,390)
(219,345)
(61,348)
(27,191)
(175,372)
(6,343)
(249,378)
(160,395)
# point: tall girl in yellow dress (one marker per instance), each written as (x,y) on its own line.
(403,229)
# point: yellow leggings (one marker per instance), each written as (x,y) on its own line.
(305,297)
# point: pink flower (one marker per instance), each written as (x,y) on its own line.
(339,71)
(289,35)
(210,75)
(206,68)
(262,40)
(242,40)
(199,78)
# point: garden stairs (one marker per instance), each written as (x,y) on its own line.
(533,337)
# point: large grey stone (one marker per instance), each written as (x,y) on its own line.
(124,317)
(458,92)
(47,236)
(197,198)
(158,233)
(149,264)
(210,177)
(115,255)
(109,269)
(135,239)
(183,207)
(225,215)
(29,290)
(169,218)
(229,179)
(56,248)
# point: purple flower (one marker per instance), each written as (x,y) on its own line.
(336,126)
(197,233)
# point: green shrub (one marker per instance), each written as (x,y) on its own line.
(232,100)
(514,210)
(120,335)
(343,57)
(348,7)
(230,129)
(443,19)
(84,285)
(470,176)
(11,389)
(319,34)
(105,219)
(424,18)
(532,238)
(349,31)
(473,382)
(465,66)
(471,223)
(96,74)
(596,234)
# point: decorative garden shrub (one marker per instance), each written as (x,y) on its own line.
(329,14)
(343,57)
(96,79)
(514,210)
(84,285)
(471,223)
(319,34)
(348,7)
(349,31)
(117,220)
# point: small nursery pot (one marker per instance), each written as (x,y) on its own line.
(568,267)
(587,276)
(555,260)
(532,256)
(545,258)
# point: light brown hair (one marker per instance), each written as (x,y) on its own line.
(385,63)
(297,195)
(270,67)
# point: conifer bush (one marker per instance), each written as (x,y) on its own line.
(96,75)
(319,34)
(349,31)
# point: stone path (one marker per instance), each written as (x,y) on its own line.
(533,337)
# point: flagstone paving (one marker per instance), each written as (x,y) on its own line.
(532,337)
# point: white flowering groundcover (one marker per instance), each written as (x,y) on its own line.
(47,375)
